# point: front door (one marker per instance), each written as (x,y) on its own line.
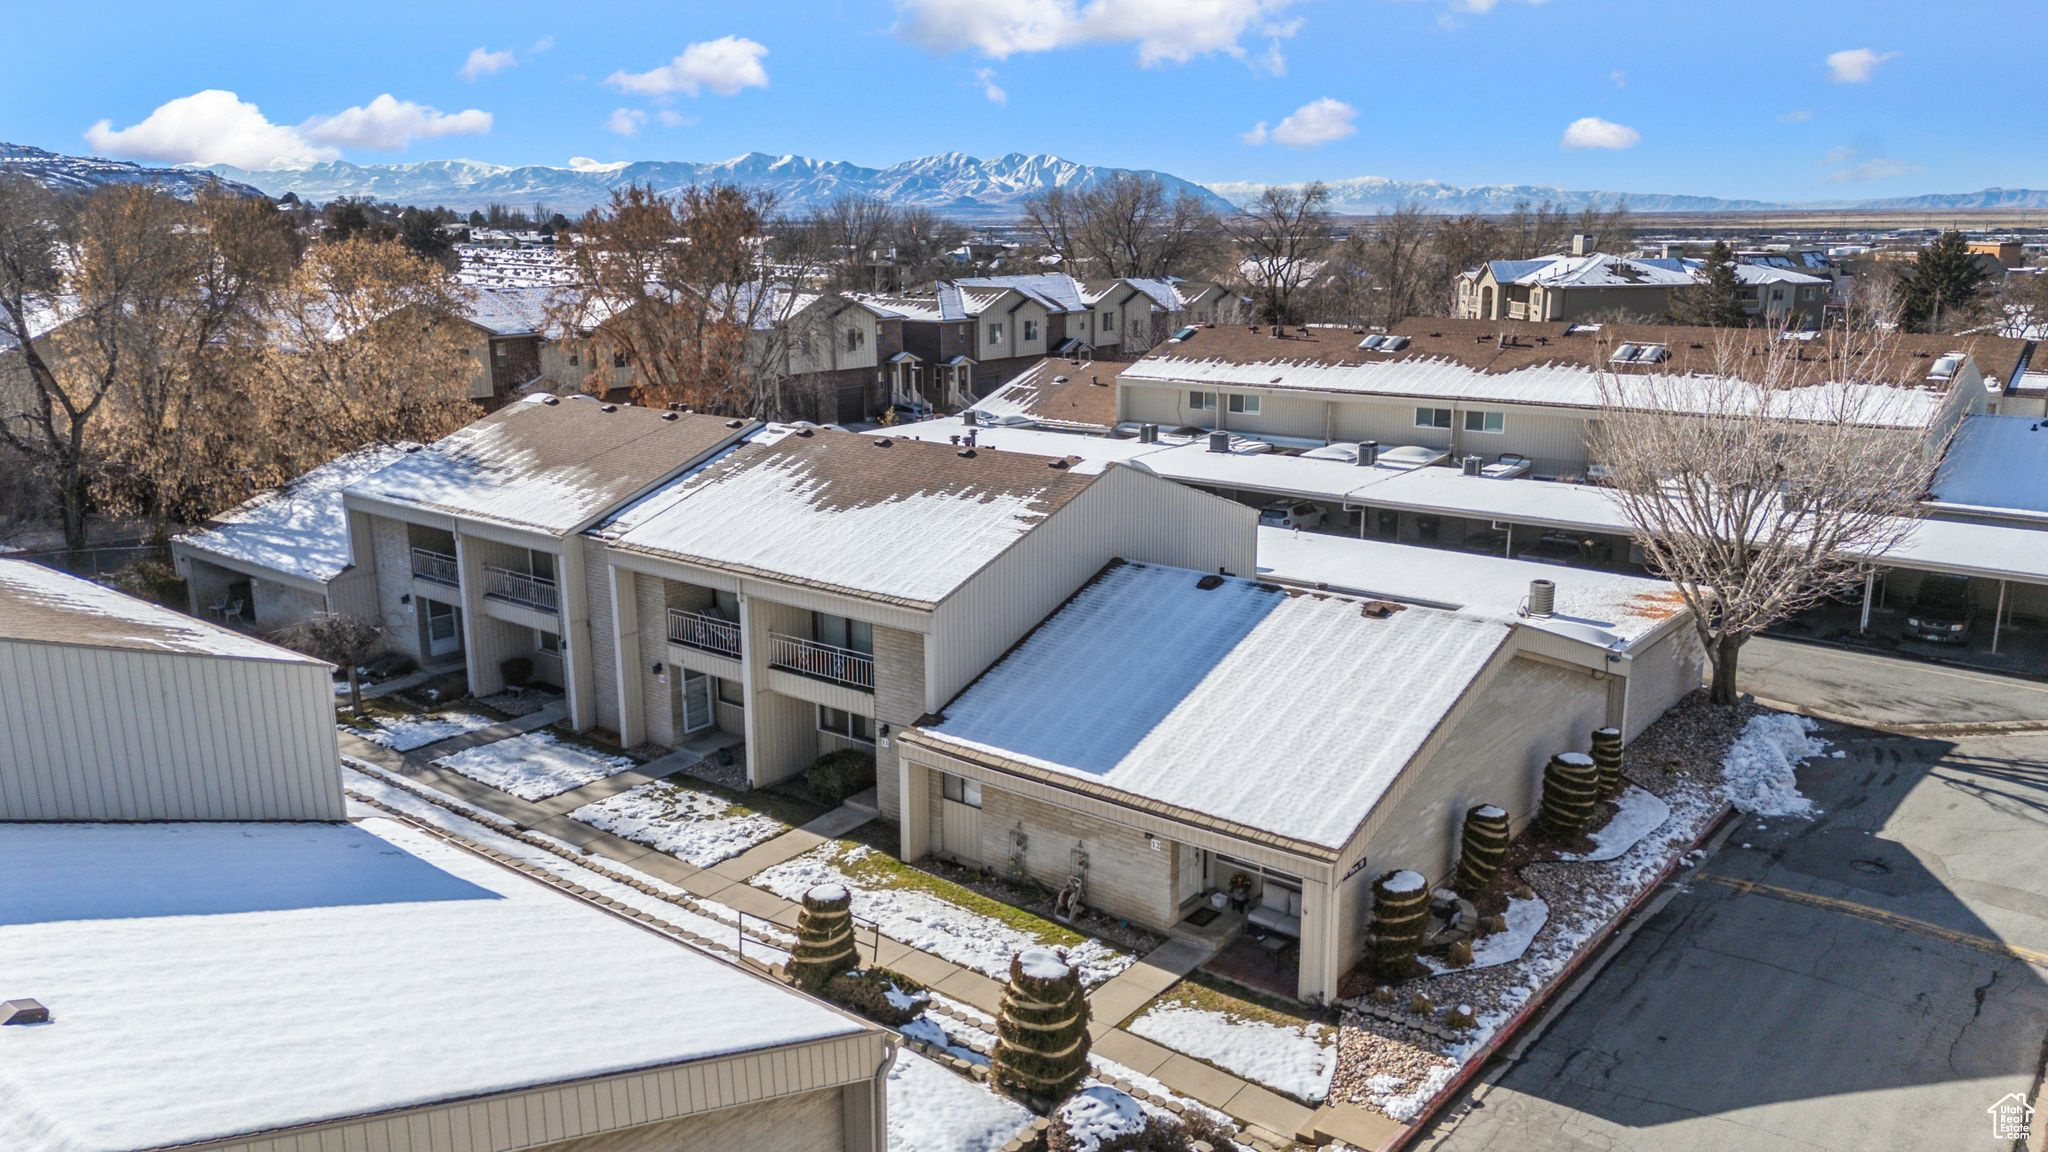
(698,713)
(444,629)
(1191,877)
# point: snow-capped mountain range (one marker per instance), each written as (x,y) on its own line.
(953,184)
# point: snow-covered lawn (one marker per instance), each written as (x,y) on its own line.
(405,733)
(1296,1060)
(1758,771)
(1641,813)
(933,1110)
(923,919)
(692,825)
(534,766)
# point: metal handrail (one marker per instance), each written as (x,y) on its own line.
(521,588)
(825,661)
(439,567)
(701,630)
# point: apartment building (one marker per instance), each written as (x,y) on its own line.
(1586,285)
(812,590)
(470,541)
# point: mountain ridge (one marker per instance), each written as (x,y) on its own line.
(56,170)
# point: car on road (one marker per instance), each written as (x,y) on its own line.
(1941,612)
(1291,514)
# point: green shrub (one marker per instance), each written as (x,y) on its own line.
(1042,1029)
(152,578)
(837,775)
(881,994)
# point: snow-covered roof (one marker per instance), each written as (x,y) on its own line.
(872,515)
(512,310)
(1090,456)
(1996,464)
(549,464)
(1217,702)
(44,606)
(1492,587)
(300,529)
(1766,274)
(1058,390)
(215,980)
(1058,291)
(1602,270)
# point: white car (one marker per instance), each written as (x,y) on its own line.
(1291,514)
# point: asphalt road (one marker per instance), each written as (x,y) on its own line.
(1874,978)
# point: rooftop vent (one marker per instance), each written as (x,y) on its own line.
(884,442)
(735,423)
(1063,463)
(965,453)
(1377,609)
(671,416)
(1394,344)
(23,1011)
(1373,341)
(805,432)
(411,448)
(1542,597)
(551,400)
(1626,354)
(1059,379)
(1209,583)
(970,417)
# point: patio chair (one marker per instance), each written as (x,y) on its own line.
(219,611)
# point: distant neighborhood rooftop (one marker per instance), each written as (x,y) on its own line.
(546,463)
(44,606)
(207,981)
(300,529)
(1176,689)
(863,513)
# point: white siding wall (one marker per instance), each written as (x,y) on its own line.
(111,734)
(1124,878)
(1661,676)
(391,555)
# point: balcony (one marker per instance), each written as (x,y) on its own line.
(705,632)
(439,567)
(822,661)
(520,588)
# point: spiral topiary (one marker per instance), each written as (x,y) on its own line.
(1571,788)
(824,937)
(1481,849)
(1607,757)
(1042,1028)
(1400,913)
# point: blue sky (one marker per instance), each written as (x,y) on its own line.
(1816,99)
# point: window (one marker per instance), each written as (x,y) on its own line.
(1202,401)
(545,641)
(995,333)
(853,339)
(618,359)
(1109,321)
(1031,330)
(851,725)
(732,692)
(1432,417)
(575,358)
(1243,404)
(840,632)
(501,350)
(961,790)
(1494,422)
(541,565)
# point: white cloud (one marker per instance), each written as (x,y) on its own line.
(725,66)
(1593,132)
(1317,122)
(586,164)
(1162,30)
(388,124)
(986,77)
(1796,116)
(1855,65)
(1457,8)
(210,127)
(670,118)
(541,45)
(625,121)
(1618,78)
(1852,166)
(484,62)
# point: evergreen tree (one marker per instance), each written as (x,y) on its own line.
(421,233)
(1716,300)
(1944,281)
(1042,1029)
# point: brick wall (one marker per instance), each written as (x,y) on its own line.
(1125,876)
(899,701)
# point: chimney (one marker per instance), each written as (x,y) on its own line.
(1582,244)
(1542,597)
(1472,464)
(1219,441)
(1368,453)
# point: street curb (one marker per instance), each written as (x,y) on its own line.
(1594,946)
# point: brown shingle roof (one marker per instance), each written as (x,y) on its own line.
(1062,391)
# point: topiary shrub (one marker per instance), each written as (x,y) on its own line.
(880,994)
(1400,913)
(836,775)
(1571,788)
(1607,758)
(1042,1030)
(824,937)
(1481,849)
(517,671)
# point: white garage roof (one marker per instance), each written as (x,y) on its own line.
(215,980)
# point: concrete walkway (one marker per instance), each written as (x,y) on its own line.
(1116,999)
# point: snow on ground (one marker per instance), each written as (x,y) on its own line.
(964,1041)
(1097,1115)
(1395,1097)
(1758,773)
(697,827)
(485,830)
(406,733)
(534,766)
(1297,1061)
(1525,919)
(926,921)
(933,1110)
(1641,812)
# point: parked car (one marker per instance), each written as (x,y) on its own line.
(1941,612)
(1291,514)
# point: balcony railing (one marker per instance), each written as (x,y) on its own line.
(698,630)
(824,661)
(520,588)
(439,567)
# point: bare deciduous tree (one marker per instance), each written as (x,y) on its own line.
(342,640)
(1282,239)
(1767,478)
(1129,225)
